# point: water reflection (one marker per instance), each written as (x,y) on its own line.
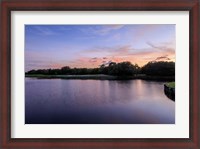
(57,101)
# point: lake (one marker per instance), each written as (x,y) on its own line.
(59,101)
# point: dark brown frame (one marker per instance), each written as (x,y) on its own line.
(6,142)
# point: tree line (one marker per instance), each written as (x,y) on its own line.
(161,68)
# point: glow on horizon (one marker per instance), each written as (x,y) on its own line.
(89,46)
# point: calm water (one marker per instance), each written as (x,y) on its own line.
(58,101)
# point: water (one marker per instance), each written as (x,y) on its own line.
(59,101)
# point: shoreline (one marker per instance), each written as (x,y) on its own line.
(101,77)
(169,91)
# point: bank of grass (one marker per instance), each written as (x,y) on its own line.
(171,84)
(102,77)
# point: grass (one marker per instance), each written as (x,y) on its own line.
(102,77)
(171,84)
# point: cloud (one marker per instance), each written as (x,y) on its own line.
(141,32)
(162,58)
(155,47)
(129,53)
(106,63)
(100,29)
(43,60)
(93,61)
(108,28)
(162,47)
(44,30)
(108,51)
(95,56)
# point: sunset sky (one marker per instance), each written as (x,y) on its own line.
(55,46)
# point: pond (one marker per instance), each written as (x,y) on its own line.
(60,101)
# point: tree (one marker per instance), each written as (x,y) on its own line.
(159,68)
(117,69)
(65,70)
(122,69)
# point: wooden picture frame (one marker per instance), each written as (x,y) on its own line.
(7,6)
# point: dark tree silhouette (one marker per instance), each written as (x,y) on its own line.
(159,69)
(117,69)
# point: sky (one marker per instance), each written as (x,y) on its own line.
(89,46)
